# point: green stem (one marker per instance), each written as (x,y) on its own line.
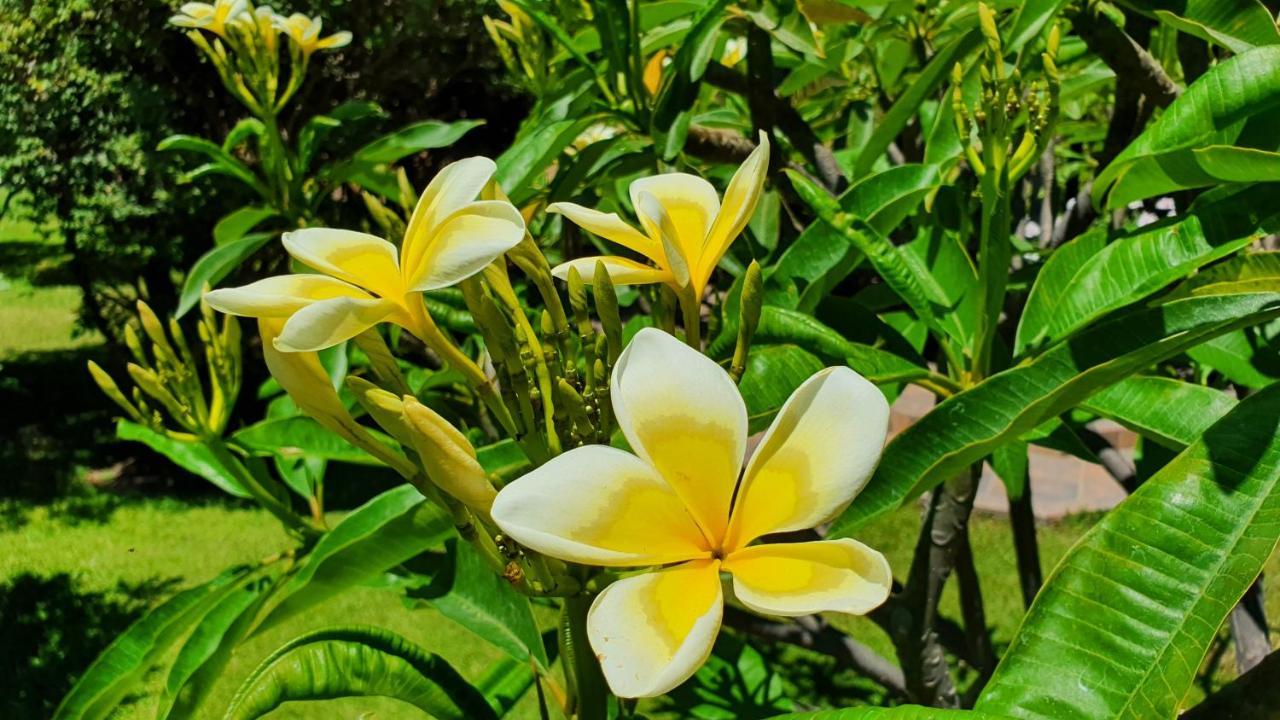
(431,335)
(256,488)
(592,693)
(691,309)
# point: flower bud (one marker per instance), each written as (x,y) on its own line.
(448,457)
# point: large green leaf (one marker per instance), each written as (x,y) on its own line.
(215,265)
(528,158)
(126,660)
(773,372)
(1249,357)
(358,662)
(779,326)
(190,456)
(388,530)
(504,683)
(1215,110)
(1170,412)
(237,223)
(968,426)
(465,590)
(1236,25)
(887,259)
(220,161)
(1142,262)
(1121,627)
(300,436)
(206,650)
(821,257)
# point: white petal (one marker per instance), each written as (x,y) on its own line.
(328,322)
(683,413)
(356,257)
(652,632)
(610,227)
(470,239)
(279,296)
(456,185)
(740,200)
(598,505)
(677,259)
(814,458)
(621,270)
(796,579)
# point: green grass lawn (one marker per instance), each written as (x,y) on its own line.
(81,569)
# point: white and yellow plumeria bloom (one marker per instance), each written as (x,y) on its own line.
(686,227)
(673,504)
(305,33)
(212,17)
(364,280)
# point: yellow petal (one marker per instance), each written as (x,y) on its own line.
(356,257)
(651,632)
(598,505)
(621,270)
(688,200)
(653,72)
(305,380)
(456,185)
(740,200)
(677,258)
(279,296)
(610,227)
(471,238)
(328,322)
(814,458)
(683,413)
(803,578)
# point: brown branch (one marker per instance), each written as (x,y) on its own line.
(813,633)
(787,119)
(717,144)
(1125,56)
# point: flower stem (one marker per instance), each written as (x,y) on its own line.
(431,335)
(691,307)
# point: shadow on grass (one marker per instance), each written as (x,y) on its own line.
(54,420)
(51,632)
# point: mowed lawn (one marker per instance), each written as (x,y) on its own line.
(108,555)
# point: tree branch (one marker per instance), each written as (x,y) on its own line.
(813,633)
(787,119)
(1125,56)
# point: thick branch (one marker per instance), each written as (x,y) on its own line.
(717,144)
(1125,56)
(814,634)
(787,119)
(1254,695)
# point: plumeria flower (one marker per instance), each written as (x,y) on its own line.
(304,32)
(364,281)
(686,228)
(212,17)
(673,504)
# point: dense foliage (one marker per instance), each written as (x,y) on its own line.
(1041,213)
(87,91)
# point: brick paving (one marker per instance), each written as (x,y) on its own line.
(1060,484)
